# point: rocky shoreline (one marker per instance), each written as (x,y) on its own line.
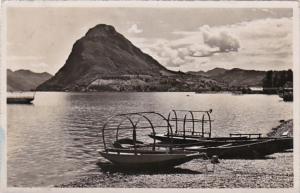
(284,129)
(275,171)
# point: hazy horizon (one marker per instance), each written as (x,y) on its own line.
(245,38)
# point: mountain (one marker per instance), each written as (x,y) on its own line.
(240,77)
(25,80)
(216,72)
(198,73)
(235,76)
(102,53)
(210,73)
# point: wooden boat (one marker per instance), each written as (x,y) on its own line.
(250,150)
(188,136)
(204,141)
(284,142)
(147,158)
(20,98)
(129,152)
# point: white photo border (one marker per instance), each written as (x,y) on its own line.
(176,4)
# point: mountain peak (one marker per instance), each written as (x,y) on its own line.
(100,30)
(217,68)
(236,69)
(23,71)
(102,52)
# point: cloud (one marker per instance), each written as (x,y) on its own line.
(134,29)
(221,39)
(209,40)
(185,51)
(260,44)
(267,40)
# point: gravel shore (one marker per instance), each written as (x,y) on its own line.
(275,171)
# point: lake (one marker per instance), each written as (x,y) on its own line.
(55,139)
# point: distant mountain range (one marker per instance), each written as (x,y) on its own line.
(25,80)
(234,77)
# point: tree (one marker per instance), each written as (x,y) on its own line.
(267,81)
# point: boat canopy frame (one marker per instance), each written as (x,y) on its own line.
(205,118)
(134,126)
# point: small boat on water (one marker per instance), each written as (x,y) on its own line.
(124,150)
(20,97)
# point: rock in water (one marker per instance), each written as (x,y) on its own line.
(102,52)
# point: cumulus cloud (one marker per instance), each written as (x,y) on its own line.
(135,29)
(208,41)
(266,43)
(185,51)
(271,38)
(221,39)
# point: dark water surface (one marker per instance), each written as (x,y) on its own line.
(55,139)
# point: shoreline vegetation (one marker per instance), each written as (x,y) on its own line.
(237,81)
(275,171)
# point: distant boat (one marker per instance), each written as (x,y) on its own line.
(20,97)
(286,94)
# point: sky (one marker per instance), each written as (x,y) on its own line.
(186,39)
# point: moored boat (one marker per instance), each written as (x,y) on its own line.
(236,145)
(144,159)
(129,152)
(20,98)
(252,150)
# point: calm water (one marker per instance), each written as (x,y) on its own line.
(55,139)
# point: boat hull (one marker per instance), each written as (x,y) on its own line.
(231,147)
(249,151)
(148,161)
(19,100)
(201,141)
